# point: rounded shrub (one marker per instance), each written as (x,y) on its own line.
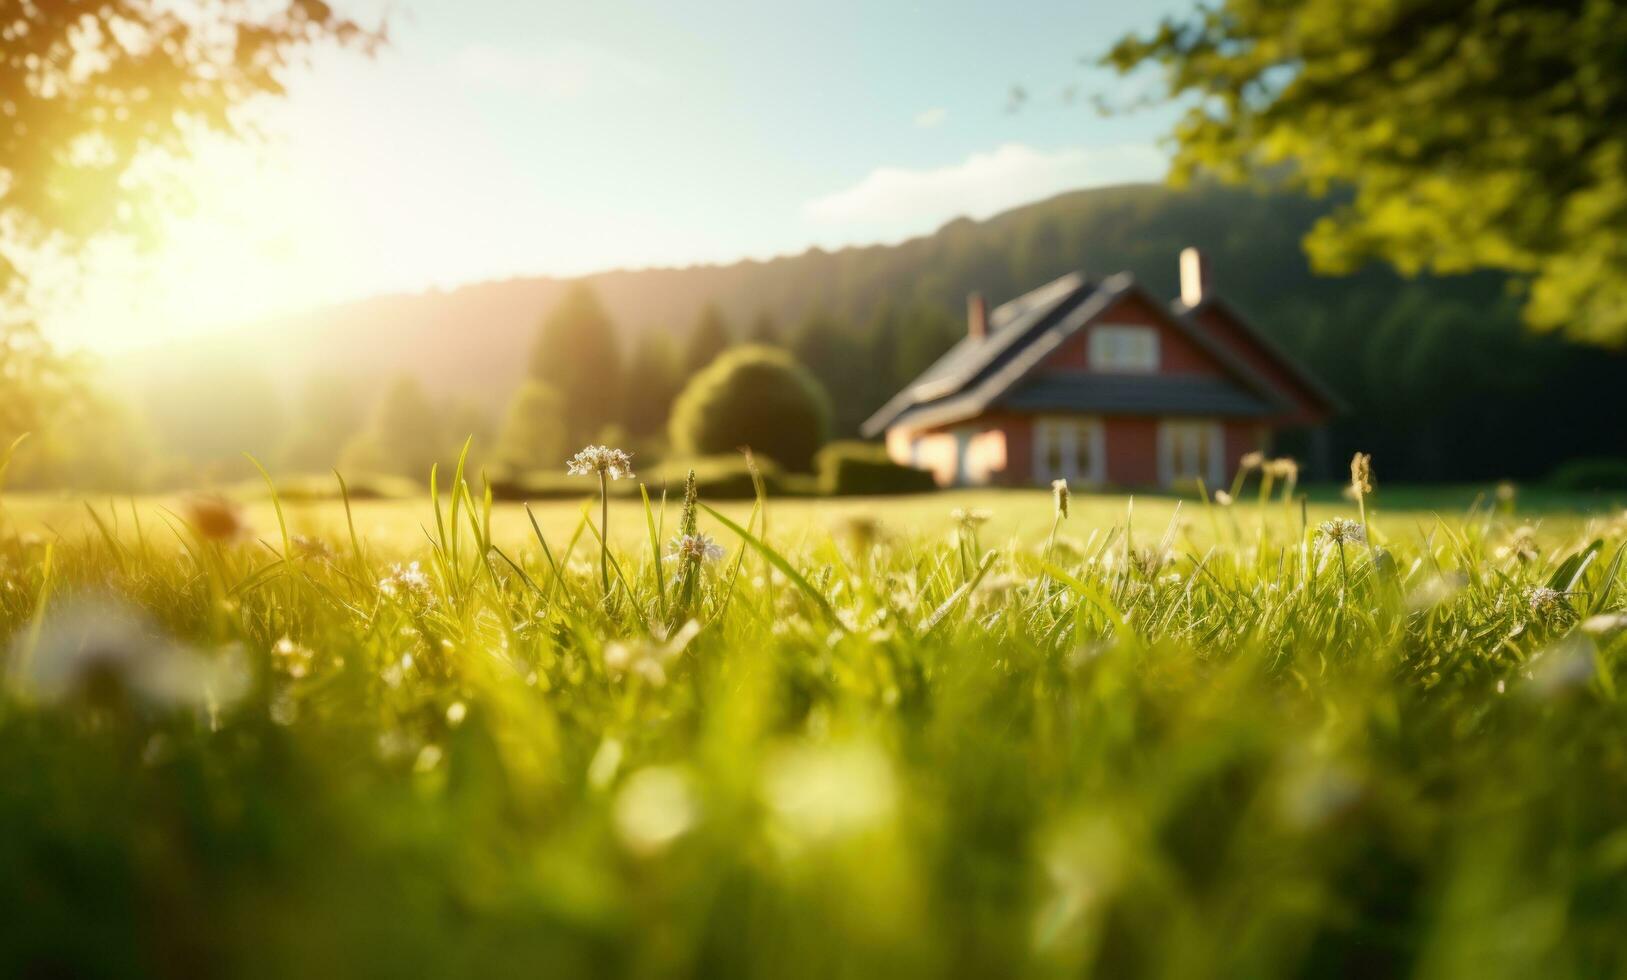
(1590,474)
(865,468)
(757,397)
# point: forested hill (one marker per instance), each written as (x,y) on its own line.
(1442,380)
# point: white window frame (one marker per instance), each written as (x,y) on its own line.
(1068,431)
(1122,348)
(1171,470)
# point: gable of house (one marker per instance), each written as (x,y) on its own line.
(1312,401)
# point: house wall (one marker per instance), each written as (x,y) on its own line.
(998,449)
(1132,451)
(1176,353)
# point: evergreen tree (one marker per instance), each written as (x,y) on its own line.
(404,435)
(330,414)
(708,339)
(764,330)
(533,433)
(829,351)
(576,354)
(652,384)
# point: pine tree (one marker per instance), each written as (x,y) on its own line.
(708,339)
(576,354)
(652,384)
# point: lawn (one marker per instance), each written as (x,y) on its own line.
(1021,515)
(867,739)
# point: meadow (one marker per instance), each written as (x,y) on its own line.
(958,734)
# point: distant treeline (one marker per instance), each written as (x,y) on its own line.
(1442,381)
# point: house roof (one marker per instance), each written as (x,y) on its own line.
(978,373)
(1297,370)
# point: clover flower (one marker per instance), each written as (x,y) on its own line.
(1339,530)
(601,461)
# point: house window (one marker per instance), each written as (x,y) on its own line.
(1069,449)
(1124,349)
(1189,451)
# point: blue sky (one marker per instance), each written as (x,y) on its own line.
(495,138)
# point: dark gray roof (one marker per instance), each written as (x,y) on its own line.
(1292,364)
(1165,394)
(976,374)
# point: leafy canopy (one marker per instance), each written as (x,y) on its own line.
(90,89)
(1471,133)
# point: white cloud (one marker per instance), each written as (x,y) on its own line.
(561,71)
(895,200)
(931,118)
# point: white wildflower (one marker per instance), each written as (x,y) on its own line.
(292,658)
(1059,492)
(648,659)
(970,519)
(408,582)
(601,460)
(101,652)
(1547,603)
(697,547)
(1223,498)
(1339,530)
(1604,623)
(654,808)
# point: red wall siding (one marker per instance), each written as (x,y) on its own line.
(1132,450)
(1222,328)
(1176,354)
(1240,438)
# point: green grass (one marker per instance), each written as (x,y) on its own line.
(1181,740)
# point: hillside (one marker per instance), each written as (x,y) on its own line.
(1425,363)
(472,339)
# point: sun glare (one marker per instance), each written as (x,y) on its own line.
(251,246)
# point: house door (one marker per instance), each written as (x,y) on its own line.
(1190,450)
(1069,448)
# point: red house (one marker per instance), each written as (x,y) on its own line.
(1101,383)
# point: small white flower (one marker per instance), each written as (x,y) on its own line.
(970,519)
(696,547)
(1059,493)
(292,658)
(1223,498)
(1546,602)
(595,460)
(408,582)
(1341,529)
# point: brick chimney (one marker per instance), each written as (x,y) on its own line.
(977,316)
(1194,276)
